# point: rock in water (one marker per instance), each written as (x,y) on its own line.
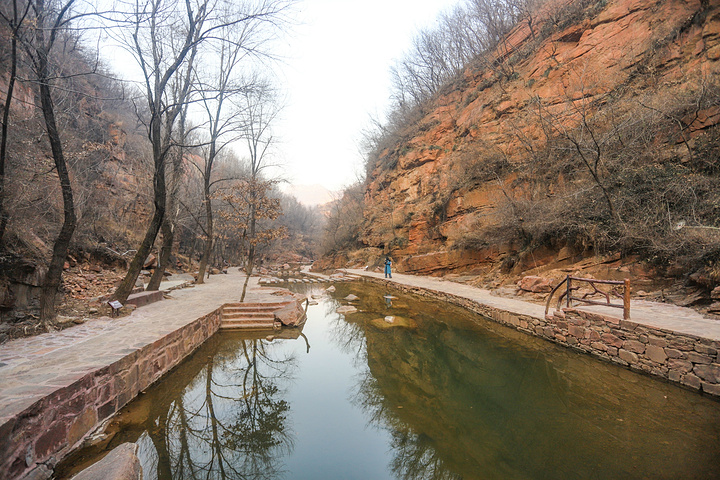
(352,298)
(346,309)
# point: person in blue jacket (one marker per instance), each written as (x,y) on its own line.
(388,263)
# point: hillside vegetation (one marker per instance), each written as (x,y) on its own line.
(106,184)
(581,133)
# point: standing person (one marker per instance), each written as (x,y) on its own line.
(388,263)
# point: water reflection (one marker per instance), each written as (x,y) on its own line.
(466,402)
(446,396)
(221,415)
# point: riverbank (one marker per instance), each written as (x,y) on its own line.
(674,343)
(55,388)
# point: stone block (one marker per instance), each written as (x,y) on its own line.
(599,346)
(690,380)
(628,325)
(674,376)
(144,298)
(657,341)
(576,331)
(712,389)
(682,366)
(673,353)
(699,358)
(656,354)
(120,464)
(52,440)
(628,356)
(634,346)
(81,425)
(706,349)
(709,373)
(681,343)
(611,340)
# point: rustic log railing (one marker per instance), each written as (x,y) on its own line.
(567,295)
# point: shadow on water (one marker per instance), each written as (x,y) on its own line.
(447,394)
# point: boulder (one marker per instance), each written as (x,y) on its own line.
(346,309)
(352,298)
(120,464)
(715,294)
(535,284)
(150,261)
(290,315)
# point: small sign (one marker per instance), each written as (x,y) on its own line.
(115,304)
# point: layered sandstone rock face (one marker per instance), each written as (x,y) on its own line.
(450,174)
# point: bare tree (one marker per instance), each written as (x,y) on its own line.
(50,21)
(14,20)
(220,96)
(161,52)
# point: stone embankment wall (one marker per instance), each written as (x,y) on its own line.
(56,424)
(691,361)
(682,358)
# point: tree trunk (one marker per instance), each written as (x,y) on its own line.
(128,283)
(209,231)
(168,237)
(62,242)
(5,120)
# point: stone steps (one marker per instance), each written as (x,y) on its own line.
(251,316)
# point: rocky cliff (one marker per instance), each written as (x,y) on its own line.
(584,137)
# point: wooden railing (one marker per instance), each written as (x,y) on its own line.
(573,284)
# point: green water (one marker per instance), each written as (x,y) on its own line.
(447,395)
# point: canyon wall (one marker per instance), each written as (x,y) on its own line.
(477,183)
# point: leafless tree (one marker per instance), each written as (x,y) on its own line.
(14,18)
(164,36)
(222,90)
(50,22)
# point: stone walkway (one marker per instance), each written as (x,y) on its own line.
(656,315)
(33,367)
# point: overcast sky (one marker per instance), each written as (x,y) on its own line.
(336,75)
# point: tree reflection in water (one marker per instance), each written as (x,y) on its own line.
(414,454)
(230,421)
(463,401)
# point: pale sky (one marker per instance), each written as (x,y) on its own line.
(333,75)
(336,75)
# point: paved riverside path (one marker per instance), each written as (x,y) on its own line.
(34,367)
(652,314)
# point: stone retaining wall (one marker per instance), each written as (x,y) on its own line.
(691,361)
(55,425)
